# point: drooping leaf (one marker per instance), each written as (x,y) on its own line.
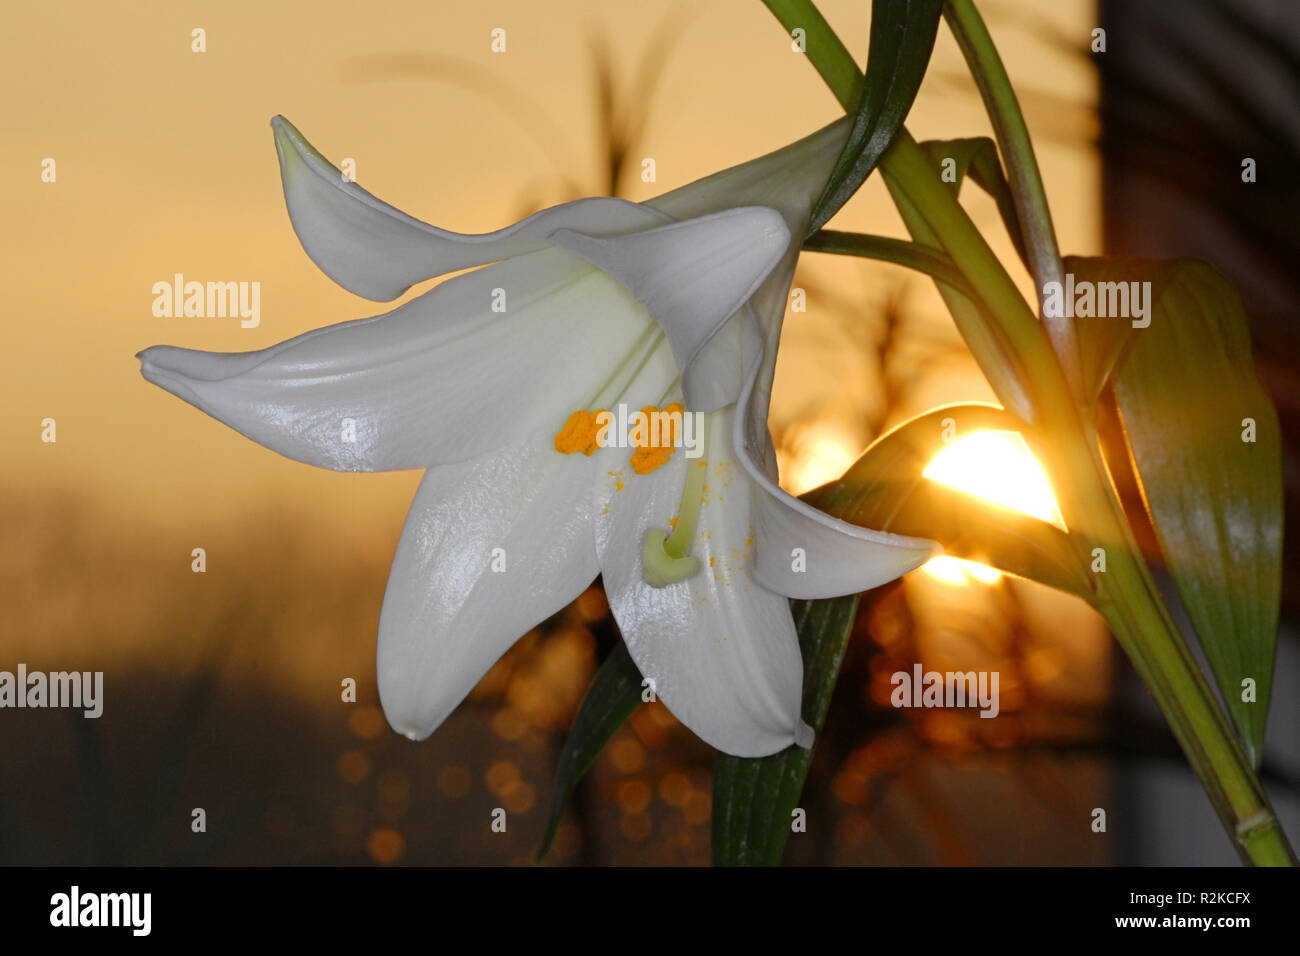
(902,38)
(754,799)
(974,530)
(886,489)
(1206,448)
(978,158)
(614,694)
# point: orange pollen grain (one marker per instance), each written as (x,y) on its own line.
(578,433)
(655,443)
(646,460)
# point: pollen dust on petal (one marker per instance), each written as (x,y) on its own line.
(578,433)
(617,478)
(654,446)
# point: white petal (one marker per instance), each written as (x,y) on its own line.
(788,180)
(720,648)
(841,558)
(448,616)
(377,251)
(692,277)
(717,373)
(441,379)
(769,306)
(803,552)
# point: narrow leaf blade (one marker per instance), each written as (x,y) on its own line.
(886,489)
(614,694)
(902,38)
(1189,400)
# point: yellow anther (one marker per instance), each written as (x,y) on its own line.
(578,433)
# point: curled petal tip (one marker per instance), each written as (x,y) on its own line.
(377,251)
(193,363)
(804,736)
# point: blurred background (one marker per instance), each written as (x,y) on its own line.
(222,688)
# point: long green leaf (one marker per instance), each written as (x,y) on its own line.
(902,38)
(885,489)
(976,531)
(614,694)
(1188,397)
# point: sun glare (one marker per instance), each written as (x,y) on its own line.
(996,467)
(958,571)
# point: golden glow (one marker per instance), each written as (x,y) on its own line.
(958,571)
(822,454)
(997,467)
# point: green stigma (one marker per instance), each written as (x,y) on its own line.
(666,558)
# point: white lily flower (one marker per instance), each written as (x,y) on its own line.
(676,300)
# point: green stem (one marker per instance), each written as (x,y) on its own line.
(1128,599)
(679,542)
(906,164)
(1030,197)
(1126,593)
(912,255)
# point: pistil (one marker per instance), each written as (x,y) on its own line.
(666,558)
